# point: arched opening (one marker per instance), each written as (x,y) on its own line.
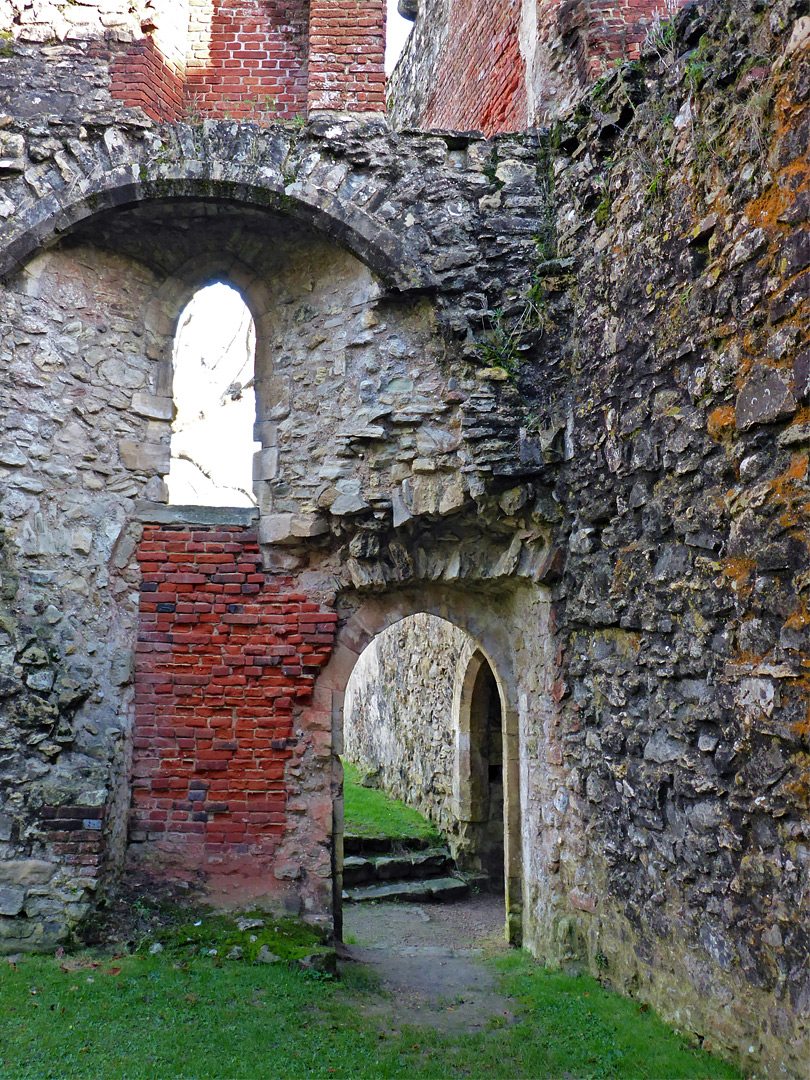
(212,443)
(423,723)
(486,621)
(478,776)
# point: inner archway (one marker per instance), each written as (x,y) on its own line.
(423,723)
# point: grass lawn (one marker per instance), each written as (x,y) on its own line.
(371,813)
(165,1017)
(209,1007)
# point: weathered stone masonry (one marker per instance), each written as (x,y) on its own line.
(620,524)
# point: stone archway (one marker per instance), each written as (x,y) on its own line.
(477,615)
(339,512)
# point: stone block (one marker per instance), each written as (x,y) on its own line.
(152,406)
(273,398)
(12,153)
(12,457)
(145,457)
(801,375)
(12,899)
(289,528)
(764,399)
(121,668)
(265,464)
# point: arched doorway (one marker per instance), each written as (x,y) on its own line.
(488,639)
(478,775)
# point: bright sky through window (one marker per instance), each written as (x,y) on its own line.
(212,435)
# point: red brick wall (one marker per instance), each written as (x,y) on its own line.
(142,78)
(247,59)
(481,76)
(226,657)
(346,55)
(259,60)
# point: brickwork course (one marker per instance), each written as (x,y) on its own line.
(550,386)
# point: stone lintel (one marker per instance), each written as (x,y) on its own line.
(152,513)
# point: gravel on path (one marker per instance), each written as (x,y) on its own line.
(428,958)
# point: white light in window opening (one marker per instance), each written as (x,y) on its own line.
(212,435)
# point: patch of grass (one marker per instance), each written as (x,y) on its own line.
(139,1017)
(574,1026)
(369,812)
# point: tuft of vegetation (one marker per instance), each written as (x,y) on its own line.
(601,214)
(220,936)
(369,812)
(507,337)
(661,36)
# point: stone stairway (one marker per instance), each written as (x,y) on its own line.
(379,868)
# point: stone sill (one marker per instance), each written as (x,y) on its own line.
(154,513)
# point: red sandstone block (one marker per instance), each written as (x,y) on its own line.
(214,536)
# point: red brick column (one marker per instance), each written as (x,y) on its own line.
(227,658)
(346,55)
(143,78)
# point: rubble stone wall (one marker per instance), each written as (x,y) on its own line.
(73,365)
(673,368)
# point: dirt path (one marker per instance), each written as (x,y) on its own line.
(428,959)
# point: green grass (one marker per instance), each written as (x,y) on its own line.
(371,813)
(142,1016)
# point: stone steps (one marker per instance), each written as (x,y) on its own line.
(379,868)
(443,888)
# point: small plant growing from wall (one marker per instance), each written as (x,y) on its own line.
(660,37)
(506,338)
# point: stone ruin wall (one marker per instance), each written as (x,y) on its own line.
(661,438)
(398,716)
(98,316)
(675,377)
(508,65)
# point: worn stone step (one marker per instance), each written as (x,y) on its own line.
(431,863)
(383,845)
(434,862)
(444,888)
